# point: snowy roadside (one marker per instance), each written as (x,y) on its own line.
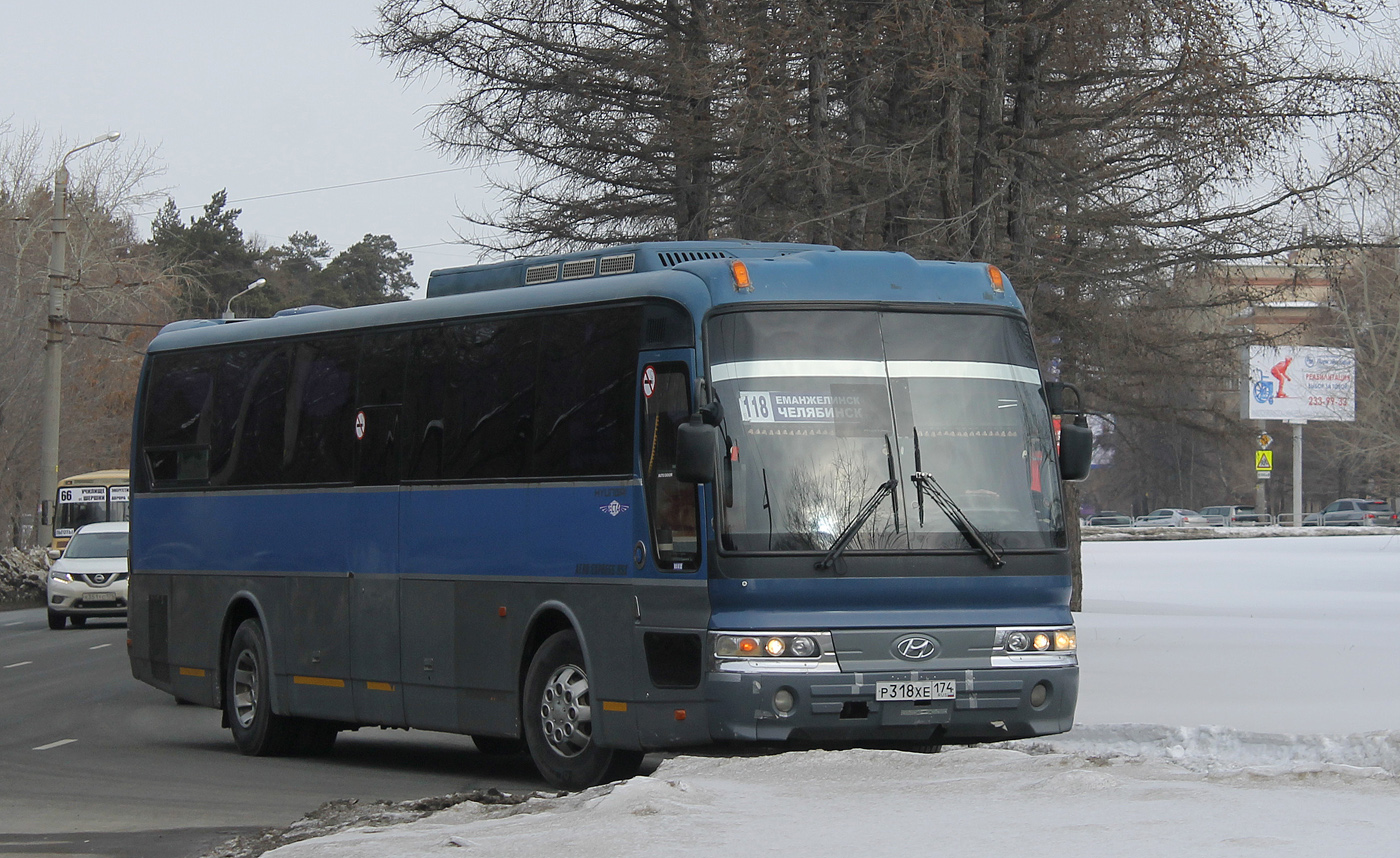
(1099,791)
(22,578)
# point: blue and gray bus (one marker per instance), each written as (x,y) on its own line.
(591,505)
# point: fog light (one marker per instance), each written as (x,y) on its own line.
(804,647)
(1041,642)
(1040,694)
(1065,639)
(783,701)
(726,645)
(775,647)
(1018,642)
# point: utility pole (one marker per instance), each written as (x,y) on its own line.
(53,344)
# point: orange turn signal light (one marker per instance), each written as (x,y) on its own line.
(741,276)
(998,280)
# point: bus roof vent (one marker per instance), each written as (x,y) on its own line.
(301,311)
(541,274)
(577,269)
(676,257)
(621,264)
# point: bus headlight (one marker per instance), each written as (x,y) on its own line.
(1032,641)
(802,651)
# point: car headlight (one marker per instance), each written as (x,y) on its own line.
(60,576)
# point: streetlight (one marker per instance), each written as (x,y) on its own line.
(53,345)
(228,308)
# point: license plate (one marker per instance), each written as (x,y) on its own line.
(917,689)
(100,599)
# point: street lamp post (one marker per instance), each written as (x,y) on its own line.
(53,344)
(228,308)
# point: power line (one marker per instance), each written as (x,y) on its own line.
(323,188)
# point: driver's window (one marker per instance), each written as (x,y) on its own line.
(671,504)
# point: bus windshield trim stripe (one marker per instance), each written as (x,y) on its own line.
(799,368)
(963,369)
(736,370)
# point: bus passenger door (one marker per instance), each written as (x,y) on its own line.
(670,588)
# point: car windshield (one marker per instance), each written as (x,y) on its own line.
(824,406)
(109,543)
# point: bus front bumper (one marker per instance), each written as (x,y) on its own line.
(991,704)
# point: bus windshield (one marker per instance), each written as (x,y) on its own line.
(823,407)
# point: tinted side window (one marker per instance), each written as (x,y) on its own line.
(470,400)
(319,428)
(587,375)
(376,421)
(176,422)
(255,380)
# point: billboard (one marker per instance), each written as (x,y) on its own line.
(1300,383)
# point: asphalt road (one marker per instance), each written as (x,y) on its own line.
(93,762)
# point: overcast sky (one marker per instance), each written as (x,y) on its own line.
(256,96)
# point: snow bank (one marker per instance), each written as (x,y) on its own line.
(22,577)
(1131,790)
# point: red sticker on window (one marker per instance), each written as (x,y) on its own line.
(360,426)
(648,381)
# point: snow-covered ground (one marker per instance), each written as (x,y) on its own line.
(1238,698)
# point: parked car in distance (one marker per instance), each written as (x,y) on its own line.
(1234,516)
(90,578)
(1109,518)
(1171,517)
(1353,512)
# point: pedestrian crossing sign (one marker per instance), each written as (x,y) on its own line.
(1263,460)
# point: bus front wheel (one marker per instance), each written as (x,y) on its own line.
(257,730)
(558,717)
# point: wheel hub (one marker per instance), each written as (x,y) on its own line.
(565,711)
(245,688)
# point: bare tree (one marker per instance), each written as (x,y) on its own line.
(110,280)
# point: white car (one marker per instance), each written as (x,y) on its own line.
(90,579)
(1172,518)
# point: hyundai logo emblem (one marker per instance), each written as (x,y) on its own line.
(915,647)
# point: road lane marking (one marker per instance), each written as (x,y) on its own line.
(60,743)
(99,646)
(17,664)
(20,623)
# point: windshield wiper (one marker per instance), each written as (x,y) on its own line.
(928,485)
(885,488)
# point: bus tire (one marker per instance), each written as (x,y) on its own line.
(57,620)
(558,720)
(257,730)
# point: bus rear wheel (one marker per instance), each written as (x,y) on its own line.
(558,719)
(257,730)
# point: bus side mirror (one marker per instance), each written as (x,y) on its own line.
(697,442)
(1076,449)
